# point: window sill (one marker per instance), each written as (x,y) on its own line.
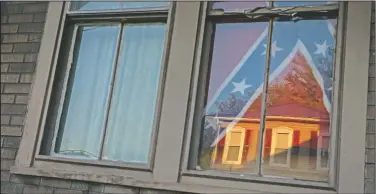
(263,184)
(102,163)
(189,182)
(124,180)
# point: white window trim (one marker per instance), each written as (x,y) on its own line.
(275,132)
(169,169)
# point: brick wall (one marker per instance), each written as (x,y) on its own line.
(370,172)
(21,30)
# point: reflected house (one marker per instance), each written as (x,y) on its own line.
(297,122)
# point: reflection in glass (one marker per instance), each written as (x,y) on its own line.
(299,100)
(281,147)
(323,152)
(108,5)
(236,73)
(301,3)
(228,5)
(86,99)
(131,116)
(299,96)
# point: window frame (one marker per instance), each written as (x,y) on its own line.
(68,29)
(348,15)
(183,61)
(275,132)
(101,161)
(205,65)
(64,27)
(194,125)
(242,132)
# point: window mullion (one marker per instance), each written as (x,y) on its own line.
(176,92)
(67,72)
(112,83)
(264,100)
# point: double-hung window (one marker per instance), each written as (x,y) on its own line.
(106,89)
(271,72)
(273,69)
(203,97)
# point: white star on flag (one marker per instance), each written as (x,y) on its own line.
(321,48)
(274,50)
(240,87)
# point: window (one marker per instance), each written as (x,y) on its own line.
(233,151)
(202,97)
(281,147)
(271,74)
(107,88)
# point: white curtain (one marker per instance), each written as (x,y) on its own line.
(86,101)
(134,98)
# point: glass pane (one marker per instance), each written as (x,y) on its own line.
(300,94)
(280,156)
(233,153)
(324,158)
(301,3)
(236,139)
(324,152)
(134,98)
(83,117)
(282,140)
(236,76)
(228,5)
(97,5)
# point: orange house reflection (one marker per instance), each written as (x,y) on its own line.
(296,136)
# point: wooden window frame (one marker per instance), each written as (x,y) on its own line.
(72,20)
(275,132)
(170,167)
